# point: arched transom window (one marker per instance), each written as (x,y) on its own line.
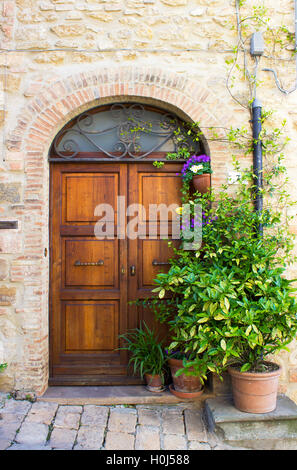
(124,131)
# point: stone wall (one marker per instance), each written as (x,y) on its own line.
(61,57)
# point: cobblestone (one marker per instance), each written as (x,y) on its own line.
(52,426)
(147,438)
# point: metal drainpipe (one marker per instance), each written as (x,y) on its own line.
(257,158)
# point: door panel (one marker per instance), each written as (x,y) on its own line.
(91,263)
(154,259)
(92,280)
(150,254)
(158,188)
(83,192)
(88,277)
(147,254)
(91,326)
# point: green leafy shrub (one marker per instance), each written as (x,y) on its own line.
(146,352)
(230,301)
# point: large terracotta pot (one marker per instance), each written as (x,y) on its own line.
(202,183)
(154,382)
(255,392)
(183,383)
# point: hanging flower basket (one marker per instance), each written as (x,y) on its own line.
(202,183)
(197,170)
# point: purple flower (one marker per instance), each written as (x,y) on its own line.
(192,161)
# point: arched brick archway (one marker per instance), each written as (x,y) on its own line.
(52,106)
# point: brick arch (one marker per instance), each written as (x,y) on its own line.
(51,106)
(56,102)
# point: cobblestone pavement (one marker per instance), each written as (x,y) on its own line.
(50,426)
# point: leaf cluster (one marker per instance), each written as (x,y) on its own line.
(2,367)
(230,300)
(146,351)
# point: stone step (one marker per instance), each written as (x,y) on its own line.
(276,430)
(112,395)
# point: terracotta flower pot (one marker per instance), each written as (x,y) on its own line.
(183,383)
(202,183)
(154,382)
(255,392)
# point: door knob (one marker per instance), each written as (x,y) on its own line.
(132,270)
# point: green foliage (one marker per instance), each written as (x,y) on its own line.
(158,164)
(2,367)
(146,351)
(185,137)
(230,301)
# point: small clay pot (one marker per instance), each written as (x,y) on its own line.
(154,383)
(202,183)
(183,383)
(255,392)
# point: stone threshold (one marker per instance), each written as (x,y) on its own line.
(114,395)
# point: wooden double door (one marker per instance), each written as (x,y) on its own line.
(92,280)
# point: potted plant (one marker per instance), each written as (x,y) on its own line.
(188,367)
(241,303)
(146,355)
(187,380)
(197,170)
(234,306)
(236,324)
(2,367)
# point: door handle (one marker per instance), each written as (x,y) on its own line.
(98,263)
(159,263)
(132,270)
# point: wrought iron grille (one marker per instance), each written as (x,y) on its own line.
(122,132)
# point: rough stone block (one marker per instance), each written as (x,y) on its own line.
(148,417)
(252,430)
(69,30)
(147,438)
(122,420)
(16,407)
(173,422)
(195,427)
(10,192)
(62,439)
(68,417)
(32,434)
(89,438)
(7,295)
(94,415)
(42,412)
(119,441)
